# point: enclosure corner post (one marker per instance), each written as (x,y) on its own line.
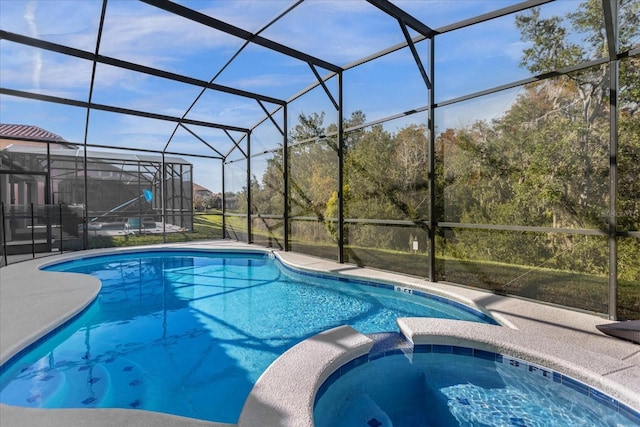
(341,233)
(285,179)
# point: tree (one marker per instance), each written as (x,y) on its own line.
(311,160)
(552,49)
(546,161)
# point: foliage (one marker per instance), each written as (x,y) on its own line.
(202,202)
(545,163)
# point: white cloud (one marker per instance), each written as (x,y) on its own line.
(130,131)
(339,31)
(72,22)
(30,18)
(34,70)
(238,112)
(259,81)
(250,15)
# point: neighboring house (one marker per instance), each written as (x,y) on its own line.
(26,135)
(39,169)
(23,178)
(203,198)
(38,166)
(199,190)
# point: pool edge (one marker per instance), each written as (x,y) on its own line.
(271,404)
(509,308)
(591,368)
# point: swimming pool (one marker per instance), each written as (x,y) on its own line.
(189,332)
(447,386)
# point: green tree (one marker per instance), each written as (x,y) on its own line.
(268,195)
(313,166)
(553,48)
(386,178)
(546,161)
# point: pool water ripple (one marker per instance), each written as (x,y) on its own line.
(189,332)
(450,386)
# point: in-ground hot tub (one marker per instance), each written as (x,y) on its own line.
(447,385)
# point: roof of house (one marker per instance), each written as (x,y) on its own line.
(28,132)
(199,188)
(31,139)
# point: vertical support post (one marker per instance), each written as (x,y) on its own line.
(224,204)
(341,233)
(613,192)
(285,179)
(139,193)
(4,234)
(33,233)
(610,13)
(61,229)
(433,220)
(85,214)
(48,186)
(48,199)
(249,240)
(48,214)
(190,204)
(171,201)
(163,204)
(181,189)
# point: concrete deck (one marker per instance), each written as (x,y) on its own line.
(32,303)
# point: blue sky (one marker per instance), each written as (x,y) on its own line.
(472,59)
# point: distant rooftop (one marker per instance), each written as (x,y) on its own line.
(28,132)
(29,140)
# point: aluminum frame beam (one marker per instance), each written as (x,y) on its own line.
(111,109)
(236,144)
(414,52)
(270,116)
(197,137)
(393,10)
(78,53)
(610,11)
(94,65)
(324,86)
(519,7)
(219,25)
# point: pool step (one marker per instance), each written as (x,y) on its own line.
(34,388)
(78,384)
(93,385)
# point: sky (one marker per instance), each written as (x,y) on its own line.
(338,31)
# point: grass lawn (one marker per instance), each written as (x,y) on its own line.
(572,289)
(205,227)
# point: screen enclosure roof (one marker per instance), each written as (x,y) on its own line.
(196,77)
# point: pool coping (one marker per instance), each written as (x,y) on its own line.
(586,366)
(31,306)
(302,368)
(318,357)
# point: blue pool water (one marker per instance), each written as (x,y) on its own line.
(189,333)
(447,386)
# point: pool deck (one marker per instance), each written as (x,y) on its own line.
(32,303)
